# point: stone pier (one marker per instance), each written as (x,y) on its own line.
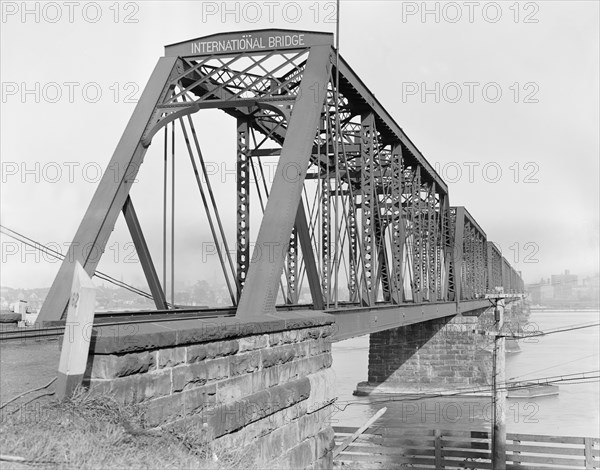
(436,356)
(264,387)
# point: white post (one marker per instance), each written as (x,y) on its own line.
(78,331)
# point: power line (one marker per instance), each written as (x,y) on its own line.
(552,367)
(566,379)
(56,254)
(550,332)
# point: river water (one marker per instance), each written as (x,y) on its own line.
(575,411)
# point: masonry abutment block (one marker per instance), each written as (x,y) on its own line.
(262,386)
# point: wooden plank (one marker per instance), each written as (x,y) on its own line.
(470,464)
(383,450)
(401,432)
(365,438)
(529,467)
(352,429)
(465,433)
(525,458)
(416,447)
(363,465)
(461,446)
(394,441)
(393,432)
(359,431)
(387,459)
(467,453)
(464,439)
(540,438)
(545,449)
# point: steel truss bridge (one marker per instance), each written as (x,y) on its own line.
(355,216)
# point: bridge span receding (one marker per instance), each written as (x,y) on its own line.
(356,224)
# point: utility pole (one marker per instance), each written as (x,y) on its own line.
(499,390)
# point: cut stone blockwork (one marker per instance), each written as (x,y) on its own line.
(263,386)
(437,356)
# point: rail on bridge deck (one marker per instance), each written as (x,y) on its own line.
(355,221)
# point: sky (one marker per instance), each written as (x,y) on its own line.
(501,98)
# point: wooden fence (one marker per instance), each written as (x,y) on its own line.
(395,448)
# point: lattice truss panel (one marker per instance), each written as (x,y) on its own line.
(474,274)
(378,232)
(494,260)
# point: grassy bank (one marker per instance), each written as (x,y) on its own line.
(97,432)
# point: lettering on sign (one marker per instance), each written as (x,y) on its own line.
(248,43)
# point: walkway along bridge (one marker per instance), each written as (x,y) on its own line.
(355,216)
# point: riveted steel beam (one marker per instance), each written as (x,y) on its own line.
(260,293)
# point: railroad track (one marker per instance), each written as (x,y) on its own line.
(31,334)
(130,318)
(111,319)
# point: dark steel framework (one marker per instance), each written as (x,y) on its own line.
(354,210)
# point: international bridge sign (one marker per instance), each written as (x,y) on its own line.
(248,41)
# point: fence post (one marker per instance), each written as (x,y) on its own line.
(438,448)
(589,458)
(516,452)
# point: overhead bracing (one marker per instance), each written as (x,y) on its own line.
(354,214)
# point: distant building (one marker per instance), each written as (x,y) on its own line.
(565,291)
(563,286)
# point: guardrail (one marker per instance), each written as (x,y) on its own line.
(388,447)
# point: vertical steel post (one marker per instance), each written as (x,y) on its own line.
(398,231)
(490,267)
(262,281)
(292,269)
(458,252)
(326,235)
(243,203)
(447,247)
(352,251)
(368,207)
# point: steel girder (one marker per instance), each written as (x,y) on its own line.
(358,321)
